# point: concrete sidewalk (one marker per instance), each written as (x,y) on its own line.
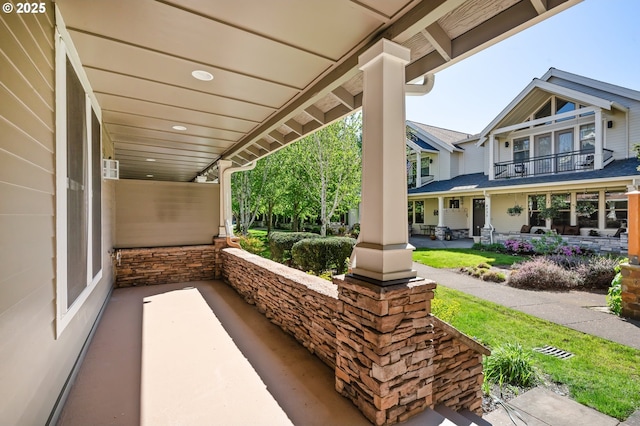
(579,310)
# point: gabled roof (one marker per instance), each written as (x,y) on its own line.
(539,89)
(479,181)
(436,136)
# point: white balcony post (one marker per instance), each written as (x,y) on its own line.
(418,169)
(383,254)
(597,159)
(492,170)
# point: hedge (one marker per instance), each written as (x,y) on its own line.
(323,254)
(280,243)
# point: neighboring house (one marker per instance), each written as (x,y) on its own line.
(564,145)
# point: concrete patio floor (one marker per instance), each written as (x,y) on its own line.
(107,390)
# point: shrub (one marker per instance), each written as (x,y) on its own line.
(494,276)
(495,247)
(542,274)
(510,364)
(322,254)
(597,272)
(614,295)
(281,243)
(518,247)
(548,243)
(251,244)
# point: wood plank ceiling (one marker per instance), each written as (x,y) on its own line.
(281,68)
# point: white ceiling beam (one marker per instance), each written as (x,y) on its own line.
(539,5)
(295,126)
(439,40)
(316,114)
(345,98)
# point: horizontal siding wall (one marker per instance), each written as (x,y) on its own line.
(33,364)
(158,214)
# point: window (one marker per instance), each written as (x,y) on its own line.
(424,165)
(587,209)
(564,106)
(588,137)
(454,204)
(536,202)
(410,211)
(419,211)
(616,213)
(545,111)
(78,189)
(563,203)
(521,149)
(564,146)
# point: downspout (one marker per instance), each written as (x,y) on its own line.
(226,216)
(420,89)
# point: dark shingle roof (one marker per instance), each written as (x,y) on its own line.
(476,181)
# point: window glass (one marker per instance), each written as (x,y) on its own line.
(419,211)
(545,111)
(424,165)
(563,203)
(521,149)
(616,209)
(410,211)
(77,180)
(588,137)
(587,209)
(535,203)
(563,105)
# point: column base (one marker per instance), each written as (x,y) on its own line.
(392,262)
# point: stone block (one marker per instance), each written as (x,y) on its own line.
(388,372)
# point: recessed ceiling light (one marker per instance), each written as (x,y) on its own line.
(151,159)
(149,175)
(178,128)
(202,75)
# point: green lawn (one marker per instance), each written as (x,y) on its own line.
(457,258)
(602,374)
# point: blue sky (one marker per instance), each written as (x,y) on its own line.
(599,39)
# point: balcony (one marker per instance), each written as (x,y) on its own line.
(573,161)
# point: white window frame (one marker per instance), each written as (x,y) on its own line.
(65,49)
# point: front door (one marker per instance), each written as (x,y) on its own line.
(478,215)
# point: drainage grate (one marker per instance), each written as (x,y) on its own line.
(558,353)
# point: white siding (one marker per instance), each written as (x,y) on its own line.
(33,364)
(469,159)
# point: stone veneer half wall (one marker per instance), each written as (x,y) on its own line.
(419,360)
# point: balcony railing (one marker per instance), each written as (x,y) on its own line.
(549,164)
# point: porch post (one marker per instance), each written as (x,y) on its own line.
(597,159)
(440,211)
(418,169)
(225,195)
(383,253)
(487,211)
(492,170)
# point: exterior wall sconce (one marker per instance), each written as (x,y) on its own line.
(609,124)
(506,144)
(435,212)
(430,160)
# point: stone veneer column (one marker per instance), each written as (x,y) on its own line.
(384,347)
(631,271)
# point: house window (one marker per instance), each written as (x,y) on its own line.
(536,202)
(587,209)
(410,211)
(454,204)
(78,190)
(419,211)
(563,203)
(521,149)
(588,137)
(424,165)
(563,105)
(545,111)
(616,212)
(564,146)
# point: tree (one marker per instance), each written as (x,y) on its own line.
(249,189)
(333,178)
